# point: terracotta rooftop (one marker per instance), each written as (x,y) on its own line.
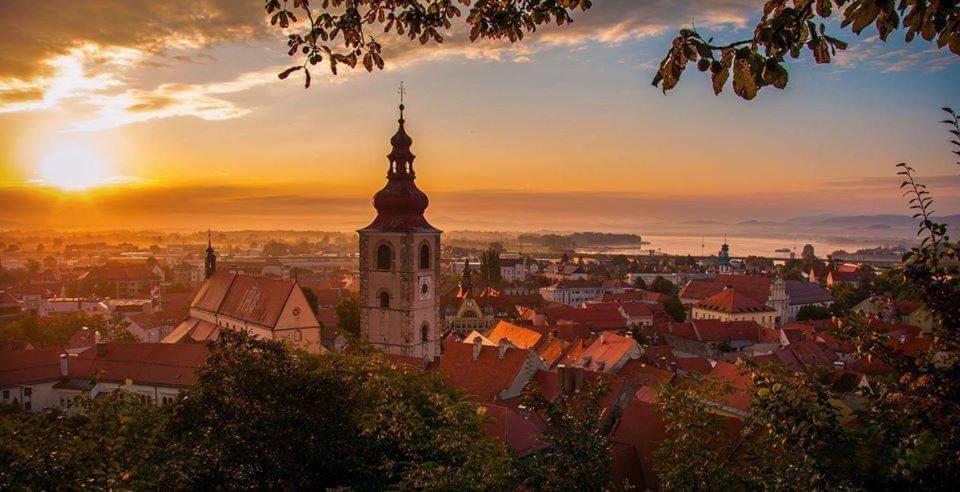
(29,366)
(731,301)
(519,336)
(514,427)
(484,378)
(143,363)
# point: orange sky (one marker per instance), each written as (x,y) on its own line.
(156,110)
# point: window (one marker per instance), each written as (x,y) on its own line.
(424,257)
(424,333)
(384,299)
(6,394)
(27,406)
(297,335)
(27,391)
(384,257)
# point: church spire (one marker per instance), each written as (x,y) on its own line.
(400,157)
(210,263)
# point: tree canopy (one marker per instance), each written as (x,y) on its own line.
(341,32)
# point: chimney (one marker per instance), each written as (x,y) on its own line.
(96,337)
(586,361)
(101,348)
(477,345)
(64,365)
(502,347)
(603,338)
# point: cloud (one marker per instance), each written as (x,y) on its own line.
(198,100)
(873,54)
(61,52)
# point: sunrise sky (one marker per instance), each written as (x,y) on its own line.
(169,114)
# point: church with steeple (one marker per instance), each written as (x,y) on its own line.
(400,262)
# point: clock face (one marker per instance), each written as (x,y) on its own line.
(424,289)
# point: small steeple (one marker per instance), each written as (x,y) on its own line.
(210,264)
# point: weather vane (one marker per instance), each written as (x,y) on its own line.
(401,91)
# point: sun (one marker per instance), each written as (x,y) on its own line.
(71,169)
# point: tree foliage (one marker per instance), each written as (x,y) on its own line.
(579,454)
(341,32)
(348,314)
(674,308)
(264,416)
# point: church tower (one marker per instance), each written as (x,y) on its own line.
(400,263)
(210,263)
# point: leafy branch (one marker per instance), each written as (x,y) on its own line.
(336,29)
(787,29)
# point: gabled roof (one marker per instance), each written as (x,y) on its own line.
(519,336)
(606,350)
(257,300)
(801,293)
(485,378)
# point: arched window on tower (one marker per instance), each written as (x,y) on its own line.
(384,299)
(384,257)
(424,257)
(424,333)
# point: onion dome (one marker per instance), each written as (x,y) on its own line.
(400,204)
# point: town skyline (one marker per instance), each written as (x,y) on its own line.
(195,125)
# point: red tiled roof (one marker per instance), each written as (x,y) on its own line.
(484,378)
(607,349)
(519,336)
(605,316)
(256,299)
(642,429)
(639,373)
(731,301)
(552,349)
(143,363)
(636,309)
(740,381)
(695,364)
(30,366)
(566,332)
(713,330)
(658,355)
(515,428)
(754,286)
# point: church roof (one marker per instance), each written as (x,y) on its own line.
(258,300)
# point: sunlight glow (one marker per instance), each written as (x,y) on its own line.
(73,169)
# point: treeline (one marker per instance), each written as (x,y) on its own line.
(262,416)
(579,239)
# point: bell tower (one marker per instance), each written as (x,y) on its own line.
(210,262)
(400,262)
